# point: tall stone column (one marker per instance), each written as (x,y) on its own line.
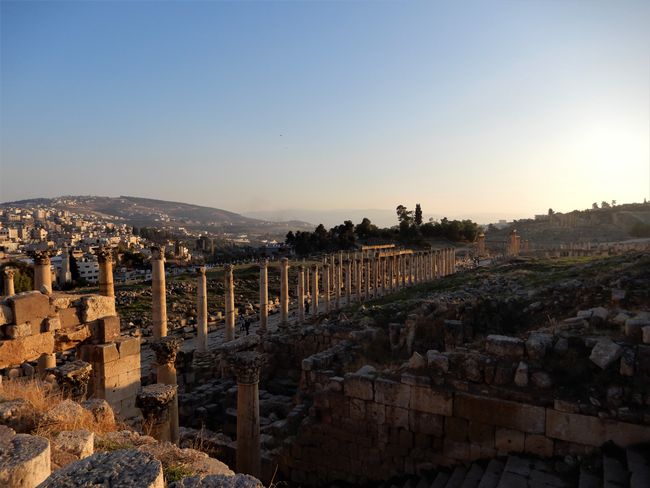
(264,296)
(366,281)
(375,276)
(314,290)
(301,293)
(9,281)
(229,290)
(247,367)
(307,282)
(480,244)
(402,265)
(166,350)
(453,260)
(348,281)
(158,296)
(340,272)
(359,279)
(411,268)
(390,261)
(284,292)
(201,311)
(105,260)
(336,274)
(326,287)
(65,276)
(42,271)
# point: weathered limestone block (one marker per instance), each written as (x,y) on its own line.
(605,352)
(504,347)
(218,481)
(64,411)
(392,393)
(17,414)
(502,413)
(79,443)
(25,348)
(593,431)
(24,461)
(537,345)
(438,361)
(108,329)
(6,315)
(96,307)
(417,361)
(17,331)
(509,440)
(52,323)
(101,410)
(31,306)
(634,327)
(123,468)
(358,386)
(521,374)
(539,445)
(397,417)
(431,401)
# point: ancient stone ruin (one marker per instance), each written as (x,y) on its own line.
(385,366)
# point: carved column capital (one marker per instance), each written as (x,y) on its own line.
(247,366)
(73,378)
(9,272)
(228,268)
(41,257)
(158,252)
(104,255)
(166,349)
(264,263)
(201,270)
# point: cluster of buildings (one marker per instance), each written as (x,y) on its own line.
(67,235)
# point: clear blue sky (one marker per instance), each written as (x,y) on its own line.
(467,107)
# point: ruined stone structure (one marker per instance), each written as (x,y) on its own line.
(264,297)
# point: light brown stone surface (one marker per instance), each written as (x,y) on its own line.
(24,461)
(97,307)
(31,306)
(427,400)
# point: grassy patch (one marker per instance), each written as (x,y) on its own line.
(176,473)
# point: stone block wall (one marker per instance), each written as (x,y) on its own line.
(363,428)
(33,324)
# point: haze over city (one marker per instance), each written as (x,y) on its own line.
(482,109)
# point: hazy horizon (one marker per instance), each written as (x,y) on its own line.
(485,108)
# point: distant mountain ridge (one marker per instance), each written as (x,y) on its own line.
(141,212)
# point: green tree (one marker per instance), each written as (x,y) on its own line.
(418,214)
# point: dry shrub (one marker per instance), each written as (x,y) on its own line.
(54,412)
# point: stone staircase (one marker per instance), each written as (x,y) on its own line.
(614,468)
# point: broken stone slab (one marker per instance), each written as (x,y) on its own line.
(96,307)
(521,374)
(541,379)
(219,481)
(605,352)
(6,315)
(24,461)
(101,410)
(417,361)
(31,306)
(438,361)
(504,347)
(79,443)
(155,398)
(18,414)
(598,312)
(537,344)
(634,327)
(118,469)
